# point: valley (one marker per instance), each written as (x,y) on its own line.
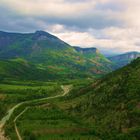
(69,69)
(50,90)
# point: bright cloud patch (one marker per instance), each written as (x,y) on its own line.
(110,25)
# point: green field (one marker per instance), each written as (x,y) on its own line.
(16,92)
(48,122)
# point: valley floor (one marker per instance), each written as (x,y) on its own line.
(49,122)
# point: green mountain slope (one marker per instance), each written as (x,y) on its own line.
(19,70)
(49,53)
(94,55)
(112,105)
(124,59)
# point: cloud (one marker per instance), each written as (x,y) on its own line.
(107,24)
(110,45)
(111,40)
(131,15)
(81,14)
(47,7)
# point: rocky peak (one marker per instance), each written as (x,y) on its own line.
(86,50)
(42,35)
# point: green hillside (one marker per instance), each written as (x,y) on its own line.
(17,69)
(112,104)
(49,53)
(20,69)
(98,59)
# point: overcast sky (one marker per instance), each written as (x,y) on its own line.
(111,25)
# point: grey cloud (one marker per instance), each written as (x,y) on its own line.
(84,22)
(113,6)
(13,21)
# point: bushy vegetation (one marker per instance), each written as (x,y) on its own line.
(112,104)
(47,121)
(11,94)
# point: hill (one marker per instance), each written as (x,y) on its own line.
(49,53)
(20,69)
(93,54)
(124,59)
(112,104)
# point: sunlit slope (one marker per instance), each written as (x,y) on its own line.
(47,52)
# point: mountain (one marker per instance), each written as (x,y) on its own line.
(93,54)
(29,46)
(19,69)
(48,53)
(124,59)
(112,104)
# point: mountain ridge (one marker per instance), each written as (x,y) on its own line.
(124,59)
(48,52)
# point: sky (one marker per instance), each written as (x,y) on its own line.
(112,26)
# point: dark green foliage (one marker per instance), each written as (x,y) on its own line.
(3,107)
(11,94)
(113,104)
(48,122)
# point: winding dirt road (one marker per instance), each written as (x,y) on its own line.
(3,121)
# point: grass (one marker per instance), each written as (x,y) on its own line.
(11,94)
(47,121)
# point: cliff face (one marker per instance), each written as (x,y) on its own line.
(87,50)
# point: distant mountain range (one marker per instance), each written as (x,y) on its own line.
(46,57)
(124,59)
